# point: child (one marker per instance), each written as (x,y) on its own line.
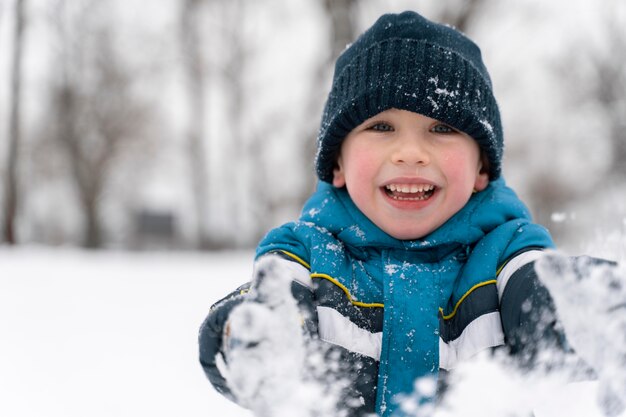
(413,254)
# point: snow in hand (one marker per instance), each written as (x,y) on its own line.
(272,367)
(590,298)
(265,347)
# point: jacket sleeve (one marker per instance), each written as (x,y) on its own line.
(211,335)
(528,317)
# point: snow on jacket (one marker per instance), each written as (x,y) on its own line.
(402,310)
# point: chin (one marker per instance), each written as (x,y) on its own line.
(411,229)
(407,234)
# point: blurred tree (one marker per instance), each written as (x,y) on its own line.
(342,30)
(593,74)
(93,113)
(11,194)
(340,14)
(250,118)
(234,68)
(610,82)
(195,73)
(590,83)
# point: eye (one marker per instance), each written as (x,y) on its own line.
(381,127)
(442,128)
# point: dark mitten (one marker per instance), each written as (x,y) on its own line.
(211,337)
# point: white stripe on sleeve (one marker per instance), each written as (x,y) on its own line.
(513,265)
(480,334)
(337,329)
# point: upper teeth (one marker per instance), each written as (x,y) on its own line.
(410,188)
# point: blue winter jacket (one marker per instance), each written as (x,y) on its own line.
(410,301)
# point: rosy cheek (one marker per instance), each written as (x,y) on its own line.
(364,160)
(453,162)
(456,166)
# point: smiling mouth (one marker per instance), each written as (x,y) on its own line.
(409,192)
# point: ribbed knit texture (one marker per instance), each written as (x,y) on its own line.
(407,62)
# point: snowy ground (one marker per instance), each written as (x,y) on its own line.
(94,334)
(115,334)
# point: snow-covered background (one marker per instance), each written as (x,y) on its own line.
(109,335)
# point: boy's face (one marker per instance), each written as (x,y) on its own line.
(409,173)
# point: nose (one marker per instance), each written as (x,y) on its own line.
(411,149)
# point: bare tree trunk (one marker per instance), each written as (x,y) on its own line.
(2,6)
(69,136)
(461,14)
(93,236)
(11,190)
(343,30)
(196,135)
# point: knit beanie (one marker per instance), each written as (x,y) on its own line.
(407,62)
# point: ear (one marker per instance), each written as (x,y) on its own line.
(482,181)
(482,175)
(339,177)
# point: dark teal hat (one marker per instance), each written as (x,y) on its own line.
(407,62)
